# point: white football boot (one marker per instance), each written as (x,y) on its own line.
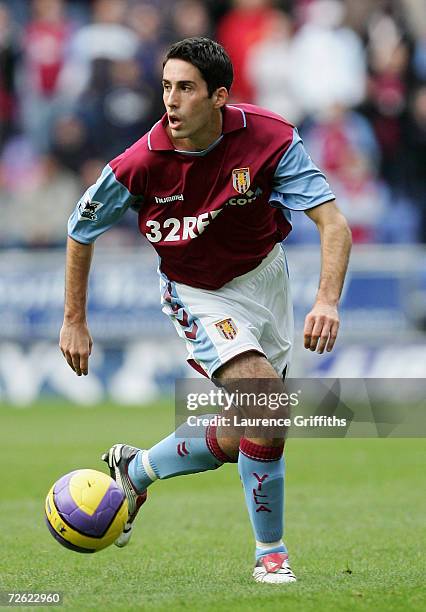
(118,458)
(273,569)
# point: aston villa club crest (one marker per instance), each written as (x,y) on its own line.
(241,179)
(227,329)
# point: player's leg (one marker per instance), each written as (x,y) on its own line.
(216,328)
(188,450)
(260,464)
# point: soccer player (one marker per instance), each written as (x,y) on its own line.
(214,185)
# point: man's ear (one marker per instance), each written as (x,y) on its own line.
(220,97)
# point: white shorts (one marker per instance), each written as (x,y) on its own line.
(252,312)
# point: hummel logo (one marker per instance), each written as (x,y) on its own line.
(168,199)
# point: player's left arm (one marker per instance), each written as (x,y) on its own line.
(299,185)
(322,322)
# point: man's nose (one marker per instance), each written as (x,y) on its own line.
(172,99)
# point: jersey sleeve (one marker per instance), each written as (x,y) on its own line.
(102,205)
(298,184)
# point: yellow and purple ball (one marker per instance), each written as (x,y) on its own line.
(86,511)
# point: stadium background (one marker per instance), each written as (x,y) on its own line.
(79,82)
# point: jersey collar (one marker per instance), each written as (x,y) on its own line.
(234,118)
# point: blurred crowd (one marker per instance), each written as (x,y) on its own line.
(80,82)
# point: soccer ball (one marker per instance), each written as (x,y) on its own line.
(86,511)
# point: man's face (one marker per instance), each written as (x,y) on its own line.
(189,108)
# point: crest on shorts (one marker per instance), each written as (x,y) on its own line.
(227,329)
(241,179)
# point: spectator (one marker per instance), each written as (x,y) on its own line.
(270,70)
(358,14)
(328,61)
(119,110)
(106,38)
(241,28)
(45,40)
(388,89)
(37,216)
(9,55)
(146,21)
(72,96)
(415,17)
(70,142)
(344,146)
(414,155)
(190,18)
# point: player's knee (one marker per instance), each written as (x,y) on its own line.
(229,445)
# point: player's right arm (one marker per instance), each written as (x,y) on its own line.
(75,341)
(103,204)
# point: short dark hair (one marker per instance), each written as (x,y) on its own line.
(209,57)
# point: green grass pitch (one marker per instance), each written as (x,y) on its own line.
(355,515)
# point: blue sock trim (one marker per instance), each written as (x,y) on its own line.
(261,552)
(153,466)
(137,473)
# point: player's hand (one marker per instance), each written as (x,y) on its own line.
(76,343)
(321,327)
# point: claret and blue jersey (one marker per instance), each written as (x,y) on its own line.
(211,215)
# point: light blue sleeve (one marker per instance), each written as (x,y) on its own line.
(298,184)
(103,204)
